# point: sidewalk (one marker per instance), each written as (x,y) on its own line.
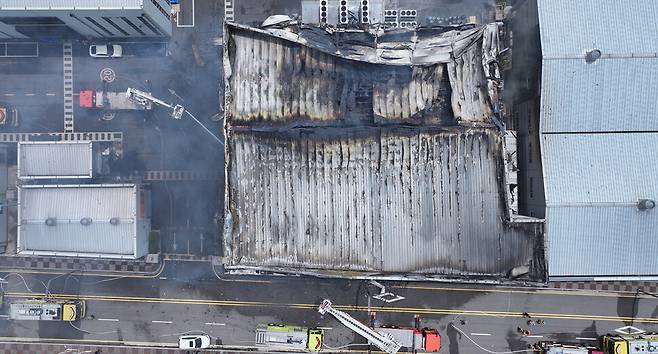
(37,348)
(143,266)
(619,286)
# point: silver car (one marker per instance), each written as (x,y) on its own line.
(105,51)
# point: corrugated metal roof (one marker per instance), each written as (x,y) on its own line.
(55,159)
(595,241)
(609,95)
(69,4)
(599,168)
(275,80)
(68,205)
(569,28)
(594,181)
(419,202)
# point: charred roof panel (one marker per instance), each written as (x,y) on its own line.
(426,202)
(280,76)
(360,151)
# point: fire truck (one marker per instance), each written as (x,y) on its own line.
(47,310)
(425,339)
(279,336)
(630,344)
(559,348)
(112,101)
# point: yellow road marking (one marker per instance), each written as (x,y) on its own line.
(303,306)
(537,291)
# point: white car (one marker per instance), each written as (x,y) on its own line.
(194,341)
(105,51)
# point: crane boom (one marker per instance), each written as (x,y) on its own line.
(383,341)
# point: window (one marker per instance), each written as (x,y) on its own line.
(99,26)
(160,9)
(127,21)
(31,20)
(149,25)
(108,20)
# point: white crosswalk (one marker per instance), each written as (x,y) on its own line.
(68,87)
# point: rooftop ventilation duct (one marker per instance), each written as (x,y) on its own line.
(85,221)
(646,204)
(592,55)
(114,221)
(51,222)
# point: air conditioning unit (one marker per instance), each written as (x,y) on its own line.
(408,15)
(323,11)
(343,13)
(365,11)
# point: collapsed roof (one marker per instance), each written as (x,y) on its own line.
(366,151)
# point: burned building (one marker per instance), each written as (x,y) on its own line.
(367,151)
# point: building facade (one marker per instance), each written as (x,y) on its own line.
(55,19)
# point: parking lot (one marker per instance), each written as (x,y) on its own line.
(183,70)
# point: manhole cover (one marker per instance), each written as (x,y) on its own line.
(108,75)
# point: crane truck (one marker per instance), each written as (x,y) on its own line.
(47,310)
(112,101)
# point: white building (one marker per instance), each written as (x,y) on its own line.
(109,19)
(91,220)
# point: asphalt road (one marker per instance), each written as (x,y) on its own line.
(188,296)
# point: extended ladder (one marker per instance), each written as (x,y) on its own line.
(383,341)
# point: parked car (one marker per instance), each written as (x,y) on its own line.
(105,51)
(194,341)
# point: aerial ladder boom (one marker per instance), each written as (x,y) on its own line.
(383,341)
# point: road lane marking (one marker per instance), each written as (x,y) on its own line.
(108,319)
(4,316)
(214,324)
(10,94)
(535,291)
(165,322)
(325,328)
(29,94)
(534,336)
(586,338)
(480,334)
(163,278)
(50,94)
(302,306)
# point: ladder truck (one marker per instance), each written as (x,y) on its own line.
(383,341)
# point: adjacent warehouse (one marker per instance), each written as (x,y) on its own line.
(91,220)
(42,19)
(55,159)
(363,152)
(599,137)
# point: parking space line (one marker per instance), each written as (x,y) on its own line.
(480,334)
(534,336)
(4,316)
(164,322)
(215,324)
(108,319)
(188,26)
(586,338)
(29,94)
(50,94)
(10,94)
